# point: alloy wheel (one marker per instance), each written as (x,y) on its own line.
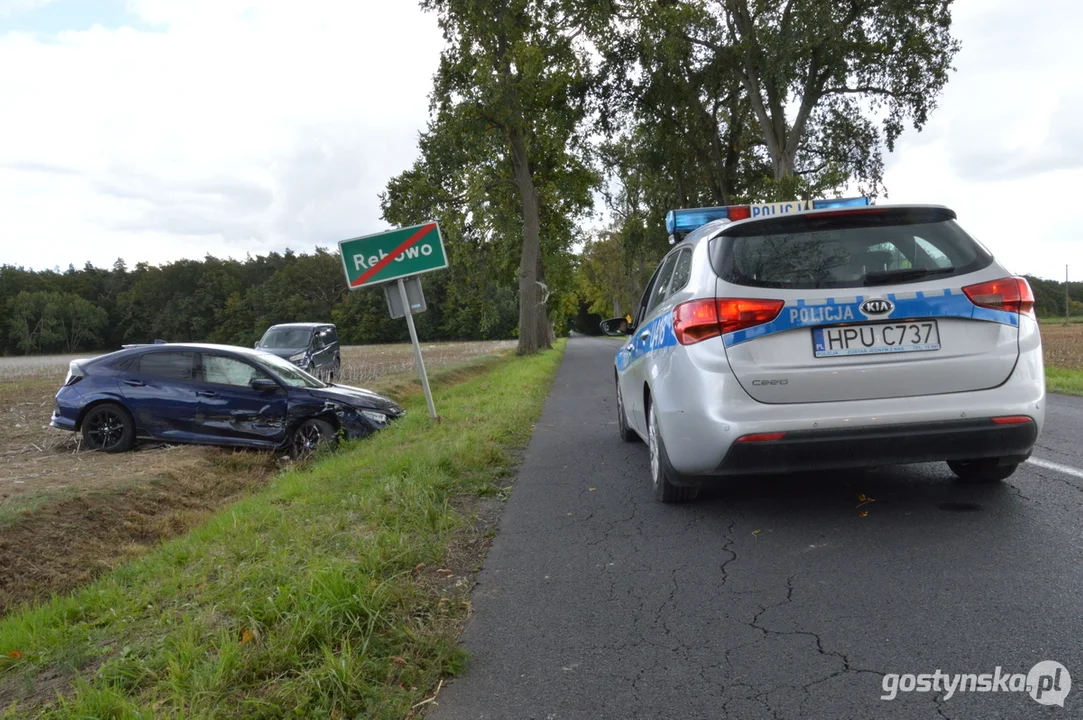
(105,429)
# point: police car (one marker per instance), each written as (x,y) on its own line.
(828,334)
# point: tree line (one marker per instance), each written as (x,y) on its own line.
(233,302)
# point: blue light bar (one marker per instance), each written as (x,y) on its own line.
(682,222)
(685,221)
(840,202)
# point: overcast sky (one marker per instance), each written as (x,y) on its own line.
(164,129)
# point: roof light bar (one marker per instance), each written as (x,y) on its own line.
(683,221)
(840,202)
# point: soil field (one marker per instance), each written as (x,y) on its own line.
(67,514)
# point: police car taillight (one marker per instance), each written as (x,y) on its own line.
(1011,294)
(699,320)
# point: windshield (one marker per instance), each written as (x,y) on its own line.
(285,338)
(847,251)
(289,373)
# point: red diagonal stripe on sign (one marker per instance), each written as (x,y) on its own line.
(408,243)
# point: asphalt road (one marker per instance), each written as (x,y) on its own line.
(768,597)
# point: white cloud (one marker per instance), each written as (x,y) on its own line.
(1005,148)
(231,126)
(9,8)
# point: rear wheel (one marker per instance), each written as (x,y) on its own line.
(662,472)
(627,434)
(310,435)
(984,470)
(109,428)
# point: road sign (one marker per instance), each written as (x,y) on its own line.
(413,293)
(375,259)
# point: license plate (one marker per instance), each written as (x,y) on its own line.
(876,339)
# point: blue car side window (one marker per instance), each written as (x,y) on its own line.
(168,365)
(222,370)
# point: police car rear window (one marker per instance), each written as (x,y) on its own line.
(847,249)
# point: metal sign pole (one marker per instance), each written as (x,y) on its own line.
(417,348)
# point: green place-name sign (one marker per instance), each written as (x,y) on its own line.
(375,259)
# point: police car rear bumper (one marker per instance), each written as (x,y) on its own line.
(882,445)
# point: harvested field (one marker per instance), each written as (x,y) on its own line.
(1063,345)
(67,514)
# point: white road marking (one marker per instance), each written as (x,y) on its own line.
(1066,469)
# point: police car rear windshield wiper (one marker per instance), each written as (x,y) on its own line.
(886,277)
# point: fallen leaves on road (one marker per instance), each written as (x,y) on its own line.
(756,532)
(863,513)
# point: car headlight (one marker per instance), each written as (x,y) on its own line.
(376,417)
(298,357)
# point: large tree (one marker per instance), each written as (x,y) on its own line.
(830,82)
(512,83)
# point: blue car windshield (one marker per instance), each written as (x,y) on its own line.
(285,339)
(289,373)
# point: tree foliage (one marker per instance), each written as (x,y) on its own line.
(717,102)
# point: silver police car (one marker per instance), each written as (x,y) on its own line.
(828,334)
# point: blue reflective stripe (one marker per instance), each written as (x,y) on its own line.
(807,314)
(661,330)
(802,314)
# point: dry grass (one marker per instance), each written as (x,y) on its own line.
(1063,346)
(361,364)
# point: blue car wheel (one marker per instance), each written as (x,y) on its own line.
(108,428)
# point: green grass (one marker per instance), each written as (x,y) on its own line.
(1069,382)
(304,600)
(1053,320)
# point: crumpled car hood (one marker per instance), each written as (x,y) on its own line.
(358,397)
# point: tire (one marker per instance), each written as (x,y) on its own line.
(627,434)
(661,471)
(986,470)
(309,436)
(108,428)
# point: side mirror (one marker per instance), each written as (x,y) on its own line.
(615,327)
(256,346)
(265,385)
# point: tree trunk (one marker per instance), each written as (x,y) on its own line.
(531,339)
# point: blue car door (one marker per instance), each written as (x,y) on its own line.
(231,411)
(159,389)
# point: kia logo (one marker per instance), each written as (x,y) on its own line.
(877,306)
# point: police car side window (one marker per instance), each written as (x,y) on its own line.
(661,286)
(682,271)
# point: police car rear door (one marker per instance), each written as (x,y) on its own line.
(879,302)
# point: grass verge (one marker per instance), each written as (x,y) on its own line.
(1069,382)
(324,595)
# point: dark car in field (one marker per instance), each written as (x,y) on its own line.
(211,395)
(313,347)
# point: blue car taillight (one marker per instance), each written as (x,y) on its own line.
(75,374)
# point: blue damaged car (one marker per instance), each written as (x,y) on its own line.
(211,395)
